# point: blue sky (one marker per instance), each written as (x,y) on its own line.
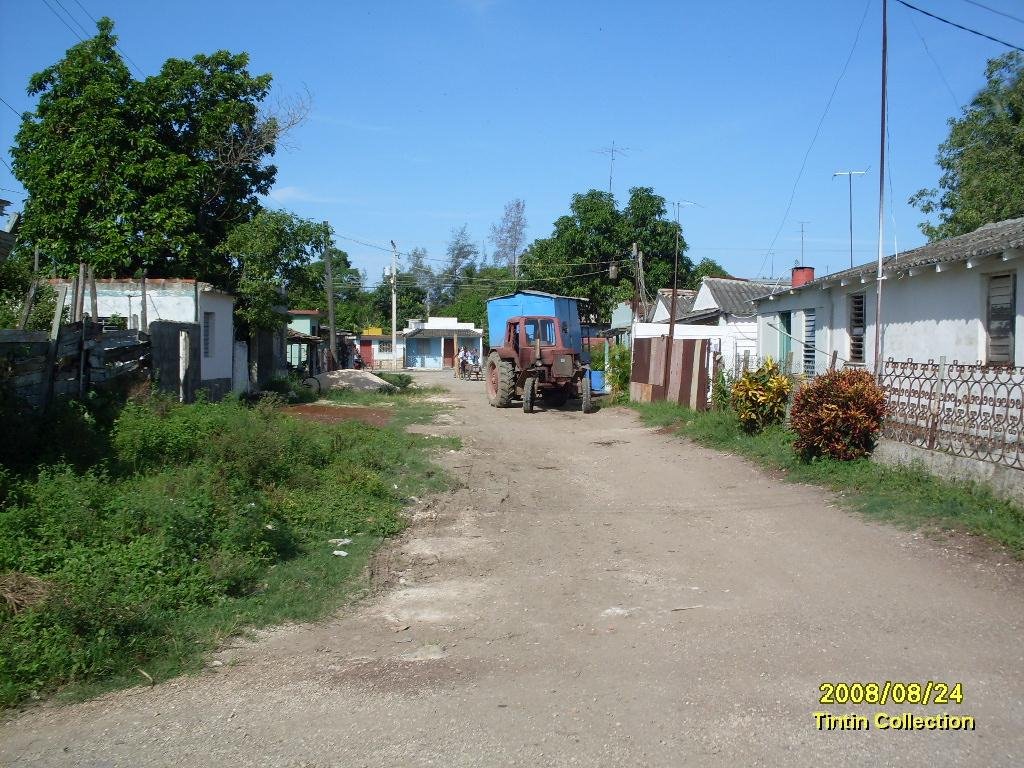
(432,114)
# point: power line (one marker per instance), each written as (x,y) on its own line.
(942,75)
(6,165)
(4,102)
(960,26)
(817,131)
(995,11)
(70,16)
(61,20)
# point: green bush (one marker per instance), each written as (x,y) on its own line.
(759,397)
(597,361)
(399,380)
(619,370)
(838,415)
(192,507)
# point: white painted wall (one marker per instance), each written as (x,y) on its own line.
(219,364)
(926,316)
(729,339)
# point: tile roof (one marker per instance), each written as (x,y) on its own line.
(987,240)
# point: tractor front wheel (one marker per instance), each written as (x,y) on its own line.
(585,395)
(500,377)
(529,394)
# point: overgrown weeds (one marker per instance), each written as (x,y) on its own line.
(908,497)
(199,519)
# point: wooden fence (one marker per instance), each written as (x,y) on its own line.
(689,370)
(40,365)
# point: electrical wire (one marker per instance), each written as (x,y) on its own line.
(994,10)
(119,49)
(4,102)
(817,132)
(61,20)
(73,19)
(960,26)
(942,75)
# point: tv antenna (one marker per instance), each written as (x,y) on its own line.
(611,152)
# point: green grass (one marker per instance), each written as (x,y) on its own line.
(202,520)
(905,496)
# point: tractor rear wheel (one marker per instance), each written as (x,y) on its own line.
(529,394)
(585,396)
(500,377)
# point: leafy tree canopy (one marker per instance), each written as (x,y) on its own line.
(126,174)
(982,160)
(269,254)
(576,258)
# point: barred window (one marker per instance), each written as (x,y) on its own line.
(857,323)
(384,347)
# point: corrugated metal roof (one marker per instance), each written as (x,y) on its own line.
(987,240)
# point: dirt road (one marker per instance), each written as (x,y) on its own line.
(598,595)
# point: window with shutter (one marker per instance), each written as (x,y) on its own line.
(809,341)
(857,323)
(1002,314)
(208,334)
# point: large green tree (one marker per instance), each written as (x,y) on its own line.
(589,252)
(125,174)
(982,160)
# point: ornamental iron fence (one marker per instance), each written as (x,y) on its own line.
(973,410)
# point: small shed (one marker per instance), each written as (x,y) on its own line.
(536,303)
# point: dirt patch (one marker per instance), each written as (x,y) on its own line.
(332,414)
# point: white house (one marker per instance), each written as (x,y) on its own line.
(721,310)
(959,298)
(183,301)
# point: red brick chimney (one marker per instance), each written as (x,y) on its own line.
(802,275)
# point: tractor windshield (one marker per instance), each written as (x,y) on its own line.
(542,328)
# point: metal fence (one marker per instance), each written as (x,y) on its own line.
(966,410)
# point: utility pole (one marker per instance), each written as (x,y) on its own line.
(672,309)
(881,194)
(394,306)
(332,337)
(849,175)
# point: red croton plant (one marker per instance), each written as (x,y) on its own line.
(838,415)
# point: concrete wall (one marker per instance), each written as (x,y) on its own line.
(1003,481)
(218,365)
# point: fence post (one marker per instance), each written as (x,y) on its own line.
(746,360)
(51,353)
(789,362)
(832,362)
(935,407)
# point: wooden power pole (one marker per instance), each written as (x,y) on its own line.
(332,337)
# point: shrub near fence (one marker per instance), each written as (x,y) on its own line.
(967,410)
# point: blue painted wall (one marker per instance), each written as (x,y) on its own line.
(523,303)
(423,353)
